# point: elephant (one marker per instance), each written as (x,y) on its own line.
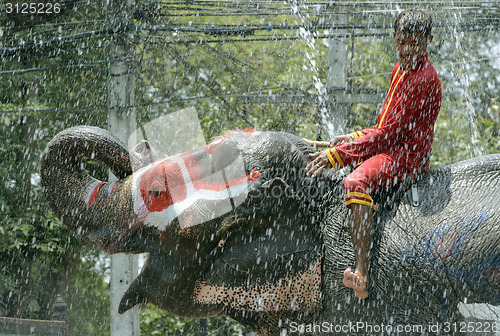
(273,259)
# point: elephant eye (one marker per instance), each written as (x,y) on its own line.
(155,192)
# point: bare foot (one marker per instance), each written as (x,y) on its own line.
(357,282)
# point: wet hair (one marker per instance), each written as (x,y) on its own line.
(414,21)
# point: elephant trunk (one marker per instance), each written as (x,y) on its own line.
(100,211)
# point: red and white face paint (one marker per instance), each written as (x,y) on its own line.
(190,187)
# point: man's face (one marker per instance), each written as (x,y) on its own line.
(410,47)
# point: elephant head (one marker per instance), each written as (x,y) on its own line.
(236,228)
(176,188)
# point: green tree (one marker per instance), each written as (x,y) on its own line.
(58,64)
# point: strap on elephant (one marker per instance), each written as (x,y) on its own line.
(409,182)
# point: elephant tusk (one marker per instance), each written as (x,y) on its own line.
(316,143)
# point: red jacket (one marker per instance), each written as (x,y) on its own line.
(405,125)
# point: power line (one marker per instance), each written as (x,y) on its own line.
(274,38)
(88,66)
(84,109)
(316,7)
(62,39)
(319,5)
(242,30)
(170,101)
(485,23)
(8,37)
(199,39)
(355,4)
(241,63)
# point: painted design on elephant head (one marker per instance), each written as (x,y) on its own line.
(193,187)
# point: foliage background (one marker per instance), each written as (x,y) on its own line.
(39,258)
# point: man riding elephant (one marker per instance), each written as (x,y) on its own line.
(394,149)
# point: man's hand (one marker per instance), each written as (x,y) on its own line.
(341,139)
(319,166)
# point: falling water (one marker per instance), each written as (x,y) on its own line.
(460,71)
(310,53)
(464,84)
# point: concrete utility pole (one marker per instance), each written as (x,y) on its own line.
(338,112)
(122,123)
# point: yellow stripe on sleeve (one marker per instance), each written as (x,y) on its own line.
(357,135)
(330,158)
(337,157)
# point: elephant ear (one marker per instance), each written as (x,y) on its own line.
(268,263)
(142,155)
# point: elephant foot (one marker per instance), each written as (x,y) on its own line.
(357,282)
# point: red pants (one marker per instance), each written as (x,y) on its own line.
(376,174)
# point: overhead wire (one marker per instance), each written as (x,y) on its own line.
(274,27)
(54,53)
(202,39)
(487,24)
(261,38)
(97,33)
(13,51)
(243,64)
(274,38)
(55,25)
(212,88)
(316,6)
(245,30)
(10,39)
(218,95)
(326,2)
(55,68)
